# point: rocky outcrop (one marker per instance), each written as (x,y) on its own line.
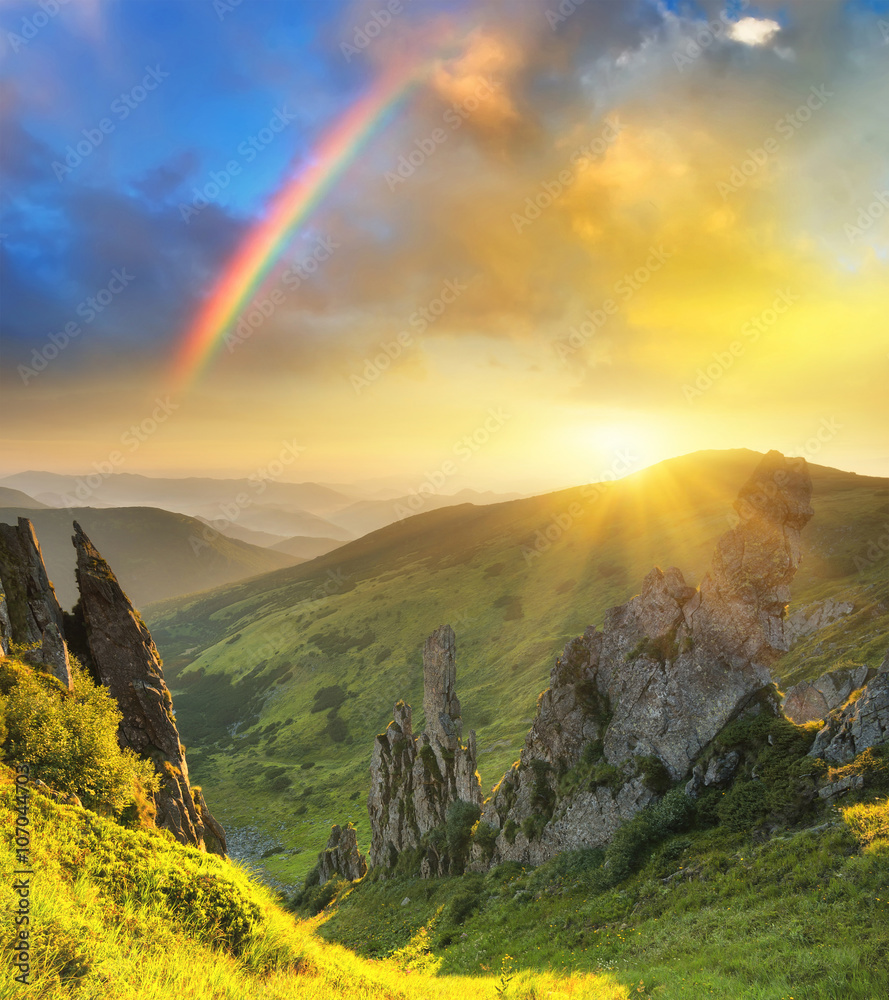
(416,779)
(31,610)
(862,724)
(631,707)
(5,626)
(127,662)
(808,701)
(814,617)
(341,856)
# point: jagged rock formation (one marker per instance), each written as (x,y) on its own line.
(630,708)
(5,626)
(815,617)
(341,856)
(808,701)
(862,724)
(416,779)
(31,613)
(127,663)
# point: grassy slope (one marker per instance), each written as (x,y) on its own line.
(247,660)
(131,914)
(155,553)
(804,915)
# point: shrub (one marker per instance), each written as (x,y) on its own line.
(672,814)
(461,818)
(742,806)
(70,740)
(336,728)
(485,836)
(654,774)
(328,697)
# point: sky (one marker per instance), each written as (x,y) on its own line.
(582,237)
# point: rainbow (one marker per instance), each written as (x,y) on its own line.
(288,209)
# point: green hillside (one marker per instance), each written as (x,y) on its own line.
(281,682)
(155,553)
(128,914)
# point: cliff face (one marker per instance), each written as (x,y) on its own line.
(29,611)
(416,779)
(127,662)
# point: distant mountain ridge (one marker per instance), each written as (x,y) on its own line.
(245,508)
(157,554)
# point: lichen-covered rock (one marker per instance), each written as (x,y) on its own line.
(127,663)
(635,704)
(808,701)
(862,724)
(31,609)
(416,779)
(5,626)
(341,856)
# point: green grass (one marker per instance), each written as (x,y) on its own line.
(132,915)
(246,662)
(710,914)
(120,913)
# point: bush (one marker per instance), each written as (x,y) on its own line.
(328,697)
(742,806)
(462,817)
(674,813)
(485,836)
(336,728)
(654,774)
(70,740)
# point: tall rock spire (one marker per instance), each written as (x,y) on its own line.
(416,779)
(440,704)
(127,663)
(31,609)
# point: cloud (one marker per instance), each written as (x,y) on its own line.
(754,31)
